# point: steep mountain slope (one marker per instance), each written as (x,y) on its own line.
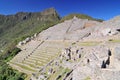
(14,28)
(24,24)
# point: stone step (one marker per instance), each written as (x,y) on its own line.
(38,59)
(45,54)
(46,50)
(34,62)
(30,64)
(39,62)
(25,66)
(22,67)
(33,56)
(27,71)
(43,59)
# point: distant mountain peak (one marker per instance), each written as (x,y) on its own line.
(49,11)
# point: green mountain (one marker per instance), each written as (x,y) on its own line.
(23,24)
(14,28)
(82,16)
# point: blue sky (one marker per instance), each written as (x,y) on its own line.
(104,9)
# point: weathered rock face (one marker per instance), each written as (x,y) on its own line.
(50,11)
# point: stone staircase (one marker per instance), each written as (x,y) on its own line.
(34,56)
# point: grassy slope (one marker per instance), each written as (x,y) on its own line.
(16,30)
(82,16)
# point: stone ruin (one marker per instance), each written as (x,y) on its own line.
(109,32)
(70,54)
(106,63)
(28,39)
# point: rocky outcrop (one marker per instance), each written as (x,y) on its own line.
(28,39)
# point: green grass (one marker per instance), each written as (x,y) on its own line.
(56,74)
(81,16)
(7,73)
(37,64)
(24,67)
(114,40)
(88,43)
(87,78)
(43,61)
(64,72)
(59,72)
(32,65)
